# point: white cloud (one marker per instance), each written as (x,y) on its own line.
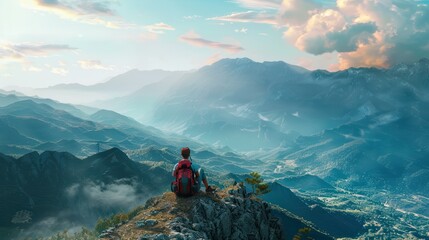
(24,52)
(296,12)
(192,17)
(364,33)
(113,195)
(328,31)
(95,12)
(21,51)
(159,28)
(60,71)
(93,65)
(241,30)
(248,17)
(268,4)
(195,40)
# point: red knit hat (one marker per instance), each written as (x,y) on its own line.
(186,152)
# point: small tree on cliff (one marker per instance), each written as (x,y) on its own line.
(258,185)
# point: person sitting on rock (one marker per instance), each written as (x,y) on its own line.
(188,176)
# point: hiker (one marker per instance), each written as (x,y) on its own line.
(188,176)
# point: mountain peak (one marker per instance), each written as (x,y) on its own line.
(28,104)
(106,114)
(234,61)
(249,66)
(113,153)
(116,152)
(424,61)
(30,156)
(225,215)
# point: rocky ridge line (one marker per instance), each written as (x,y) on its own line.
(228,214)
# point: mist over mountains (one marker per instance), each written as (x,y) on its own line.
(360,123)
(73,191)
(348,147)
(117,86)
(248,105)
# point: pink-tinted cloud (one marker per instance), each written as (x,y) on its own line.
(328,31)
(361,33)
(95,12)
(159,28)
(249,17)
(296,12)
(23,54)
(196,40)
(39,50)
(268,4)
(21,51)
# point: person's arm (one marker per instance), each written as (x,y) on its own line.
(195,169)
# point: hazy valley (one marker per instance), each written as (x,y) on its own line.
(345,152)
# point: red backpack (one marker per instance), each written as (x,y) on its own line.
(184,184)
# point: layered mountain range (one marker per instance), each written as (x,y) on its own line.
(367,124)
(248,105)
(60,186)
(344,150)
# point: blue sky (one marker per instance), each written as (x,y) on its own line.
(48,42)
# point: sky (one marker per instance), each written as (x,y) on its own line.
(49,42)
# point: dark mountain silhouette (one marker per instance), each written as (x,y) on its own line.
(50,183)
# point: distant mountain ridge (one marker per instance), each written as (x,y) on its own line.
(359,128)
(119,85)
(78,111)
(268,104)
(27,126)
(354,140)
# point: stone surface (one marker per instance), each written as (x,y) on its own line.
(233,217)
(146,223)
(228,214)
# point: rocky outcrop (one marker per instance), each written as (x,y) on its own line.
(231,218)
(224,215)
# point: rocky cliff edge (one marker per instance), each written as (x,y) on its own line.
(227,214)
